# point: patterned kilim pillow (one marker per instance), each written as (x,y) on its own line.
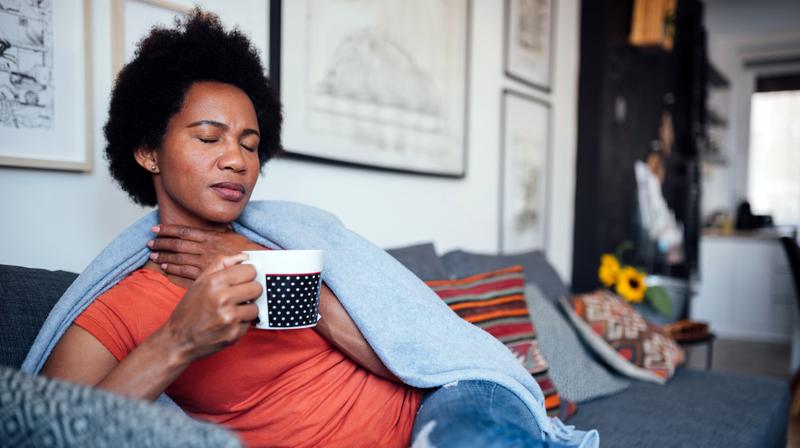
(495,302)
(623,338)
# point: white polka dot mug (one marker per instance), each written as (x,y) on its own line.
(290,282)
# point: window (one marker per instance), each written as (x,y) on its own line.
(774,165)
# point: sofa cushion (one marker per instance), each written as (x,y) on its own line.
(707,409)
(26,296)
(495,302)
(421,259)
(537,269)
(622,337)
(36,411)
(578,376)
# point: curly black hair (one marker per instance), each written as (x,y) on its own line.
(150,89)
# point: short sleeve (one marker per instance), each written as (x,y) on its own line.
(110,319)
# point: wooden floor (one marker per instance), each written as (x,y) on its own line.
(757,358)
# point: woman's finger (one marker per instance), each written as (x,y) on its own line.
(177,258)
(221,263)
(247,312)
(245,292)
(185,271)
(175,245)
(181,232)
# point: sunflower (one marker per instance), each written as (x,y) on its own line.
(609,270)
(630,284)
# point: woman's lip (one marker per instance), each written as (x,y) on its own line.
(230,186)
(229,194)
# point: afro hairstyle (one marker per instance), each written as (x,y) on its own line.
(151,88)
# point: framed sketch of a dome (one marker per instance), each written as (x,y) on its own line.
(373,83)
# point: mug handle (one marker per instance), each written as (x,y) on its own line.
(261,301)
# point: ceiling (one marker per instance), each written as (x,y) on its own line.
(752,17)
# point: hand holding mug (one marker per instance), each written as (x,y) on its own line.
(217,309)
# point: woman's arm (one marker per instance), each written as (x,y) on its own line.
(214,313)
(339,329)
(145,373)
(182,251)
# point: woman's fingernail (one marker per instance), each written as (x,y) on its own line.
(153,256)
(163,266)
(155,228)
(150,243)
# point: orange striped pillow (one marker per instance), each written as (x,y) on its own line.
(495,302)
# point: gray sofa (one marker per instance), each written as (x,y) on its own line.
(694,409)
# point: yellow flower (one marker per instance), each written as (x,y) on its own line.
(630,284)
(609,270)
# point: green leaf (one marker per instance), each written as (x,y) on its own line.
(658,298)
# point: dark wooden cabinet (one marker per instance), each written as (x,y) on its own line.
(623,91)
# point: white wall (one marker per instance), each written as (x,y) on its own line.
(61,220)
(740,31)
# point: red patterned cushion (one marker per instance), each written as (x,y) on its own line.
(495,302)
(623,338)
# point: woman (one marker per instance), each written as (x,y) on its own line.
(192,120)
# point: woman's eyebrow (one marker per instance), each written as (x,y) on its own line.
(222,126)
(250,131)
(216,124)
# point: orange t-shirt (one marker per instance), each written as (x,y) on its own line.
(273,387)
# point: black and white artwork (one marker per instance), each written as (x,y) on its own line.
(379,83)
(524,173)
(529,31)
(45,107)
(26,64)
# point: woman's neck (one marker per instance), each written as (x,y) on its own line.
(171,214)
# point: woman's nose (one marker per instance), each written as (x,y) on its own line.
(232,158)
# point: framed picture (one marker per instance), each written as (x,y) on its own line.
(45,85)
(529,41)
(131,20)
(378,83)
(524,172)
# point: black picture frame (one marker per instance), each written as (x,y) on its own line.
(507,42)
(275,73)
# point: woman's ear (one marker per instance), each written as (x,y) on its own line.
(146,158)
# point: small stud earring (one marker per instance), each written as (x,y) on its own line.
(153,168)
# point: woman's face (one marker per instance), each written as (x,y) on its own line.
(207,165)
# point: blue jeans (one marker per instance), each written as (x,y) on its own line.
(475,414)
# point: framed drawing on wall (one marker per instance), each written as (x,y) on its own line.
(131,20)
(45,85)
(380,83)
(524,172)
(529,41)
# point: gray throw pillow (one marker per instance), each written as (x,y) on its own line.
(537,269)
(37,411)
(577,375)
(421,259)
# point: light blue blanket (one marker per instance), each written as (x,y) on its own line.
(414,333)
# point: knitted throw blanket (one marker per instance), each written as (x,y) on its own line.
(413,332)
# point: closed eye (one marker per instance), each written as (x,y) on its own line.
(208,140)
(248,148)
